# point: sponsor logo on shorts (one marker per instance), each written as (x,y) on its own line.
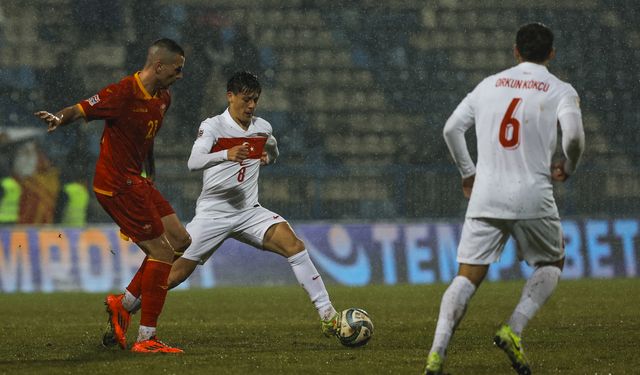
(276,216)
(147,228)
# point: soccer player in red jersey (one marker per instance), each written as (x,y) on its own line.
(133,110)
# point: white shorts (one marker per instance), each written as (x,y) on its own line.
(537,240)
(208,233)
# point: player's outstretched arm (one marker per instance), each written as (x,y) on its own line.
(60,118)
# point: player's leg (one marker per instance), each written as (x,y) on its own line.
(207,234)
(118,315)
(154,292)
(136,214)
(181,270)
(281,239)
(131,297)
(266,230)
(537,290)
(178,238)
(540,242)
(452,309)
(176,233)
(481,243)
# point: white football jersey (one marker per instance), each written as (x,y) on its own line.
(229,186)
(515,113)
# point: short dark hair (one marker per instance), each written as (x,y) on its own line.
(534,41)
(244,82)
(170,45)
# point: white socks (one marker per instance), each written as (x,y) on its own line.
(454,303)
(311,281)
(131,302)
(452,308)
(535,293)
(306,274)
(145,333)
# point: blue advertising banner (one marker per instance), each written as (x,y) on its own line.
(95,259)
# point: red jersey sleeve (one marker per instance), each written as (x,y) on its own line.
(106,104)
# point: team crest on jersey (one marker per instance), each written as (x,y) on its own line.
(94,100)
(200,133)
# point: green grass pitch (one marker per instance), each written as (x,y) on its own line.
(588,327)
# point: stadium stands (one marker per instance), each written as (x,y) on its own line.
(357,92)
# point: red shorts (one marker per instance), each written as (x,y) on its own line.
(138,210)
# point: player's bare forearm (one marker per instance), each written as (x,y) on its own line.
(63,117)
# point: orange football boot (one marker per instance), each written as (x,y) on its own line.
(118,321)
(154,345)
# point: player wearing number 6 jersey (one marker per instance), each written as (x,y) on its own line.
(515,113)
(230,148)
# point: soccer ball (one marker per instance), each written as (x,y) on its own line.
(356,327)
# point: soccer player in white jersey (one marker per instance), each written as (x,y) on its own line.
(515,113)
(230,148)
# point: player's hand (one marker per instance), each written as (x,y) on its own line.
(467,186)
(558,173)
(238,153)
(264,159)
(52,120)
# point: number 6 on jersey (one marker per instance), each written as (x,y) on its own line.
(510,127)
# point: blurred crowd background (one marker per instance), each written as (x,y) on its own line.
(357,93)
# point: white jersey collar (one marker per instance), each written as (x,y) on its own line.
(233,122)
(532,66)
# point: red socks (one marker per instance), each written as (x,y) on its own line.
(154,288)
(135,286)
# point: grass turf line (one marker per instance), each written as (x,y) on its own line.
(588,327)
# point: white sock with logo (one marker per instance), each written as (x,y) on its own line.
(310,280)
(452,308)
(535,293)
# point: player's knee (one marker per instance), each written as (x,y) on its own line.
(559,264)
(183,242)
(158,249)
(294,247)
